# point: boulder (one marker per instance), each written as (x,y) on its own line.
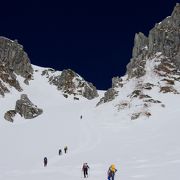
(9,115)
(26,108)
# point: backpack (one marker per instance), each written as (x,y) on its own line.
(85,166)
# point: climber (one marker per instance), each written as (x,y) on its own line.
(45,161)
(111,172)
(85,169)
(60,151)
(65,149)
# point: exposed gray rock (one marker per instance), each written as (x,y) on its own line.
(147,86)
(168,89)
(152,101)
(135,116)
(14,57)
(26,108)
(90,91)
(7,76)
(109,95)
(136,93)
(3,89)
(47,72)
(138,114)
(9,115)
(71,83)
(141,45)
(117,82)
(164,38)
(123,105)
(13,61)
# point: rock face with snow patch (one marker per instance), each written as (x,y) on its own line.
(14,57)
(26,108)
(109,95)
(154,67)
(70,83)
(164,38)
(13,61)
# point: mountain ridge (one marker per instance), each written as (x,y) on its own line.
(156,56)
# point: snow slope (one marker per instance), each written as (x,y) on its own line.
(146,148)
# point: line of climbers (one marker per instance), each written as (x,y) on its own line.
(110,174)
(60,152)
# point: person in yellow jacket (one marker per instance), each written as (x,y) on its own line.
(111,172)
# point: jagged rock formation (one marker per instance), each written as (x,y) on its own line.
(117,82)
(70,83)
(109,95)
(26,108)
(164,38)
(14,57)
(155,66)
(13,61)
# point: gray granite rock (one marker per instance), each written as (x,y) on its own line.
(14,57)
(9,115)
(13,61)
(164,38)
(26,108)
(117,82)
(71,83)
(109,95)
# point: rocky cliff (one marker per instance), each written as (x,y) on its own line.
(70,83)
(16,72)
(13,61)
(154,67)
(164,38)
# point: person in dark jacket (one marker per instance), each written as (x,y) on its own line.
(60,151)
(65,149)
(111,172)
(85,169)
(45,161)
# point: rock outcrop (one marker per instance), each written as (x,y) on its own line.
(70,83)
(154,67)
(26,108)
(117,82)
(109,95)
(9,115)
(164,38)
(14,57)
(13,61)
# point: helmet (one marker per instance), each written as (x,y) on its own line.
(113,166)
